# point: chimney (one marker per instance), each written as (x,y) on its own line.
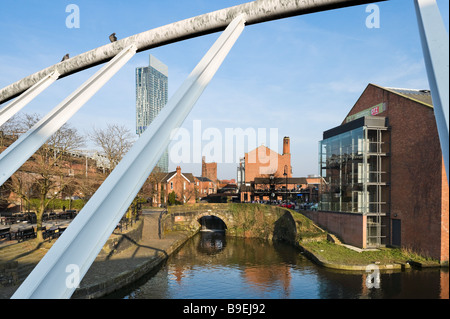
(286,145)
(203,166)
(178,170)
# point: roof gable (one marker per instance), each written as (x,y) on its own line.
(187,176)
(263,149)
(422,97)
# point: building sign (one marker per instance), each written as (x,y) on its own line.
(372,111)
(179,219)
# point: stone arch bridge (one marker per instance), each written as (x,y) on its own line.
(243,220)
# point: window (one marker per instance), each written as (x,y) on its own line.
(356,177)
(171,185)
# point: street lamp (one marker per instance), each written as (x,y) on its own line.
(272,188)
(285,175)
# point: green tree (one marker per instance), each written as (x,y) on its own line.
(172,198)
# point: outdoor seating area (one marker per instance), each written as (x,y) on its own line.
(5,233)
(7,218)
(22,233)
(22,226)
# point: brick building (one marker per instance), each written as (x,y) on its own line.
(209,170)
(181,184)
(384,178)
(263,161)
(265,175)
(204,187)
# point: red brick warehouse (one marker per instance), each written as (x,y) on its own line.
(385,178)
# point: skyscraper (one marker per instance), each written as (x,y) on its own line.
(151,97)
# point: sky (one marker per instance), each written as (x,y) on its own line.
(295,77)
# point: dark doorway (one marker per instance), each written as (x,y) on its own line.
(396,232)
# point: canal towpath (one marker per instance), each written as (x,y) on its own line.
(112,271)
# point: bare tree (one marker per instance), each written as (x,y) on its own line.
(47,172)
(114,142)
(11,129)
(150,187)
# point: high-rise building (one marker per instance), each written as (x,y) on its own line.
(151,96)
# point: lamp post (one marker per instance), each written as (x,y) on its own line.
(285,174)
(272,188)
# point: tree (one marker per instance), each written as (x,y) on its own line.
(172,198)
(188,192)
(10,129)
(47,173)
(149,190)
(114,141)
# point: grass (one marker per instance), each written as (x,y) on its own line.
(336,254)
(331,253)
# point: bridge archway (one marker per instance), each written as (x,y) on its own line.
(211,223)
(209,220)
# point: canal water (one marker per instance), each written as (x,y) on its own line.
(214,266)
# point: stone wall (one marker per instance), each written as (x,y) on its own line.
(9,273)
(242,220)
(348,227)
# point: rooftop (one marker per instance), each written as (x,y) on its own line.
(421,96)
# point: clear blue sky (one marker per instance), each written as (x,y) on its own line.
(301,75)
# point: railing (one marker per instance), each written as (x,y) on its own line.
(160,225)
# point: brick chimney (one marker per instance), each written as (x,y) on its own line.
(203,166)
(178,170)
(286,145)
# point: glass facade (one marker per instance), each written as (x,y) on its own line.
(151,97)
(354,165)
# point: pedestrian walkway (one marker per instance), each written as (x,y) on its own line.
(111,272)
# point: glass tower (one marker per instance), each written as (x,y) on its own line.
(151,97)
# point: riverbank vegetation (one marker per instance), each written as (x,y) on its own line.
(314,239)
(332,253)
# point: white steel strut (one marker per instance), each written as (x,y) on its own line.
(26,97)
(20,151)
(81,242)
(435,45)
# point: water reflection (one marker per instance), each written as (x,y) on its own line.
(212,242)
(214,266)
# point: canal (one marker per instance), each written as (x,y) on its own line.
(214,266)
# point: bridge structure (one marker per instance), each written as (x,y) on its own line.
(242,220)
(74,252)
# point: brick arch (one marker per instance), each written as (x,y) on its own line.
(224,216)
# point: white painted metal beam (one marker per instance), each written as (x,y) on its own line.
(20,151)
(81,242)
(256,12)
(12,108)
(435,45)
